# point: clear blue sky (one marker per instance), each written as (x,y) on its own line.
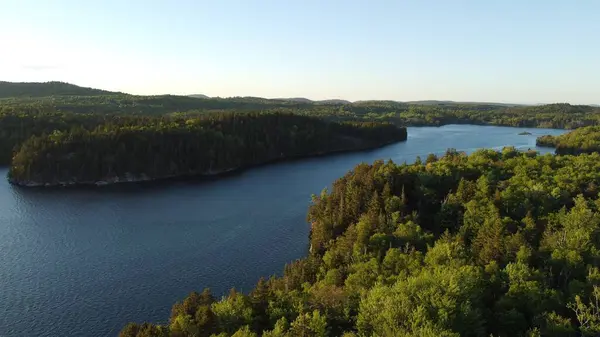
(522,51)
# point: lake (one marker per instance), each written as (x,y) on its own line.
(84,262)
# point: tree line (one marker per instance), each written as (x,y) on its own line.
(488,244)
(28,109)
(153,148)
(21,118)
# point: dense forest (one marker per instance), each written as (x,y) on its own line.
(29,109)
(488,244)
(581,140)
(22,118)
(153,148)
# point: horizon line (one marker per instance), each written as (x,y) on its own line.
(311,99)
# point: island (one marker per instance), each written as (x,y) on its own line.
(158,148)
(524,133)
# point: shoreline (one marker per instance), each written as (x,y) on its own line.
(143,178)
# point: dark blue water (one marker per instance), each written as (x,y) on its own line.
(85,262)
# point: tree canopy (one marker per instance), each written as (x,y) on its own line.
(488,244)
(154,148)
(33,109)
(581,140)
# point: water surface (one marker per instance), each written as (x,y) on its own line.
(84,262)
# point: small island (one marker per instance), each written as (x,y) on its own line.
(525,133)
(160,148)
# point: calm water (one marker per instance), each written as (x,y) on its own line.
(85,262)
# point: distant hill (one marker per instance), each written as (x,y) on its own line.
(435,102)
(198,96)
(430,102)
(296,99)
(377,101)
(334,101)
(35,90)
(21,89)
(310,101)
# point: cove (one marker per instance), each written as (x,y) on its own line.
(84,262)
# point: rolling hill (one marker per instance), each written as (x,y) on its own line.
(34,89)
(198,96)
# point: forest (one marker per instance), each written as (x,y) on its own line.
(21,118)
(496,243)
(35,109)
(155,148)
(581,140)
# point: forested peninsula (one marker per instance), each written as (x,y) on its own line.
(488,244)
(158,148)
(581,140)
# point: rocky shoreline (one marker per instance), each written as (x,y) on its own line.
(128,178)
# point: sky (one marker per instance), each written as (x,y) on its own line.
(517,51)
